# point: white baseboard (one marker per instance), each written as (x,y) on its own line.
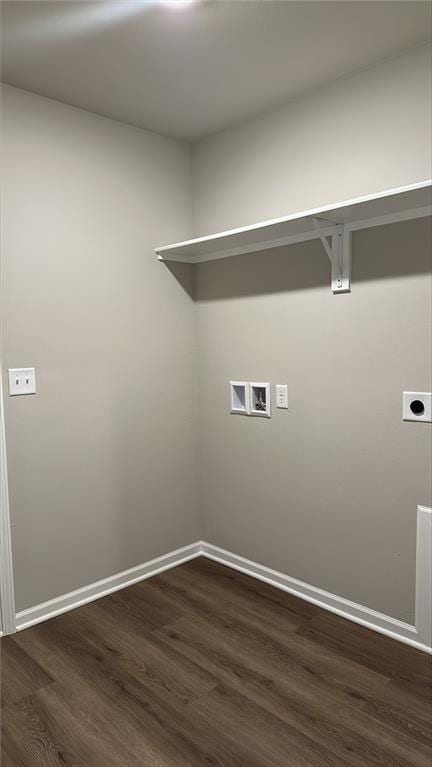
(403,632)
(424,575)
(79,597)
(384,624)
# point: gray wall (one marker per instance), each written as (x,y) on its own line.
(358,136)
(326,491)
(102,460)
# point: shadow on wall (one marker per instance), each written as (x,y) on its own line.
(184,274)
(384,252)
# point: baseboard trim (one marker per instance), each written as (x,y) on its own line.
(383,624)
(423,608)
(79,597)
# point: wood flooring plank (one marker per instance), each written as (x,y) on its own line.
(351,735)
(158,717)
(158,734)
(102,735)
(140,607)
(398,706)
(398,661)
(244,591)
(20,674)
(9,755)
(35,736)
(238,583)
(231,652)
(203,665)
(139,654)
(197,596)
(272,740)
(81,664)
(330,716)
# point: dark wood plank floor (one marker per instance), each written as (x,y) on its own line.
(204,666)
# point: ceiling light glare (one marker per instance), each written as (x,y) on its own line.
(177,5)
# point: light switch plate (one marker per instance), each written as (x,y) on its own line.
(282,396)
(22,381)
(417,406)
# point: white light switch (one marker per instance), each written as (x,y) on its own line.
(22,381)
(282,396)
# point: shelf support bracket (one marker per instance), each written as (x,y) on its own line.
(339,253)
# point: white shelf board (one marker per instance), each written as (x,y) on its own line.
(393,205)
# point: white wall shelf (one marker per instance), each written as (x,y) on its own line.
(335,221)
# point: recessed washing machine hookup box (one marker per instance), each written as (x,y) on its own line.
(260,399)
(240,402)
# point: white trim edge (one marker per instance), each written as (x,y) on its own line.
(7,597)
(383,624)
(424,575)
(79,597)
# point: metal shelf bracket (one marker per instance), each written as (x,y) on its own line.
(339,253)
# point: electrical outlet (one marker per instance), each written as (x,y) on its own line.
(22,381)
(417,406)
(282,396)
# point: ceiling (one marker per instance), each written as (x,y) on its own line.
(191,69)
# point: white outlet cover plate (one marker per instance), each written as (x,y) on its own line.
(22,381)
(282,396)
(411,396)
